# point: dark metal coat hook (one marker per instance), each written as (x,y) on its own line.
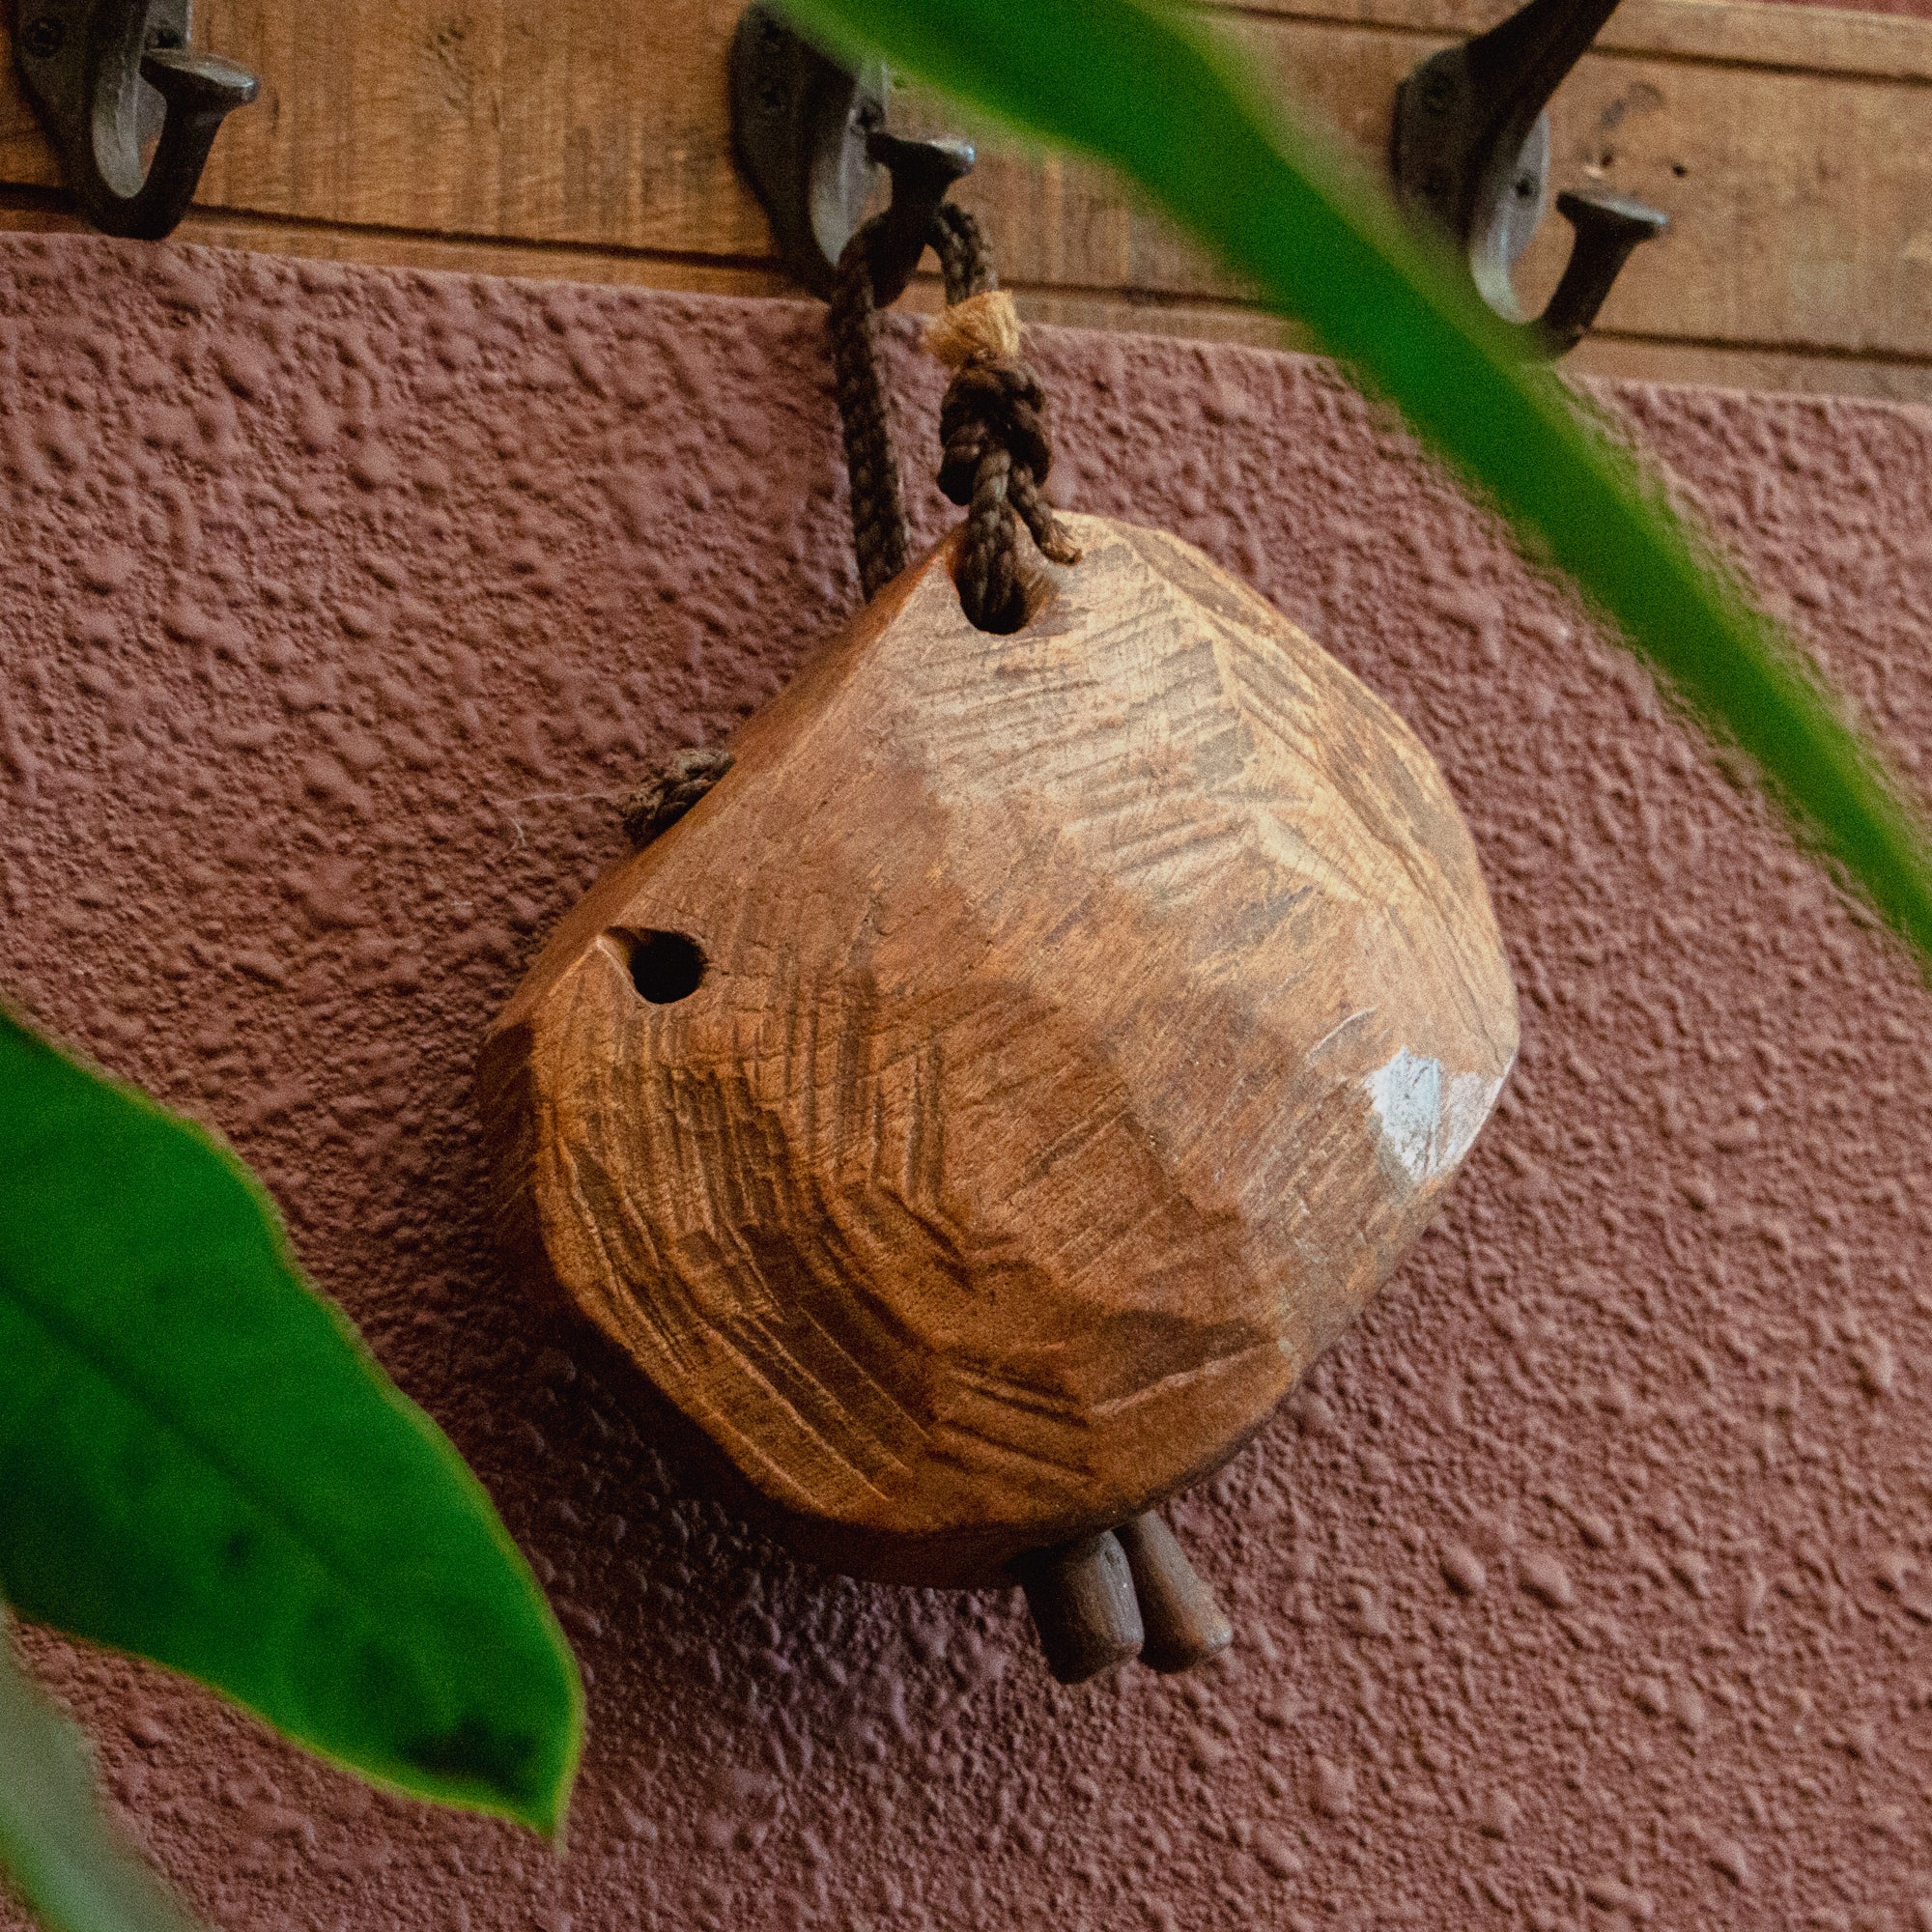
(812,139)
(1471,153)
(108,77)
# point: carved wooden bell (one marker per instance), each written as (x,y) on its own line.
(983,1106)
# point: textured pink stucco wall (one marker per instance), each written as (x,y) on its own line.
(1588,1582)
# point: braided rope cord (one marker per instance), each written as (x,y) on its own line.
(996,457)
(992,424)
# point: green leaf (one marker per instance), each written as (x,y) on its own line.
(201,1463)
(1146,88)
(72,1872)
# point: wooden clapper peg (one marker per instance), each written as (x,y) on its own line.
(1118,1595)
(977,1113)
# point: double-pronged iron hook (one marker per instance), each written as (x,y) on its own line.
(812,139)
(1471,154)
(107,78)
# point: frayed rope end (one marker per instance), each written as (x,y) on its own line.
(985,326)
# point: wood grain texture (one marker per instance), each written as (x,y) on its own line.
(1800,202)
(1791,146)
(1092,1019)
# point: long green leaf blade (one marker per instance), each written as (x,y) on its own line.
(199,1463)
(66,1863)
(1138,84)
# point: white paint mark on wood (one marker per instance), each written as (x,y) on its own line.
(1429,1119)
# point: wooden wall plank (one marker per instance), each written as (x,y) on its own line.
(576,121)
(1792,147)
(1800,202)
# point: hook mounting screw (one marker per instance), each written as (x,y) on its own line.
(45,36)
(109,77)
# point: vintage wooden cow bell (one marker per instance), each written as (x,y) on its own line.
(981,1108)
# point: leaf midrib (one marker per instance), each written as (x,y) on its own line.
(358,1588)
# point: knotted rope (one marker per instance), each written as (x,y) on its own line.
(670,791)
(992,423)
(997,455)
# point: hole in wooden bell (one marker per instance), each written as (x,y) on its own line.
(666,967)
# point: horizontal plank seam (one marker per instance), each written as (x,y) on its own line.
(1822,352)
(1166,298)
(621,251)
(25,198)
(1732,61)
(1135,298)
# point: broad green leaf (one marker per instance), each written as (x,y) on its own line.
(200,1463)
(60,1855)
(1148,88)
